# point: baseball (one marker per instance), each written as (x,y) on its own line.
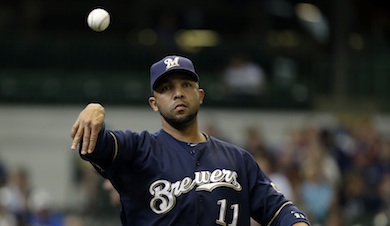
(98,19)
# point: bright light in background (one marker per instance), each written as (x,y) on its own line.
(312,19)
(192,40)
(308,12)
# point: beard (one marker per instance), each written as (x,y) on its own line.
(179,122)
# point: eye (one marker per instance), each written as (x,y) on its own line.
(165,88)
(187,84)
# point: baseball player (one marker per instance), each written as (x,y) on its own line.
(180,175)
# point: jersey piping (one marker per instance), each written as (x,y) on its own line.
(277,212)
(115,152)
(116,146)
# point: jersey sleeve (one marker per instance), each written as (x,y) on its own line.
(104,150)
(108,147)
(269,206)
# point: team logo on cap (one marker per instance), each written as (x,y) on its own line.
(171,62)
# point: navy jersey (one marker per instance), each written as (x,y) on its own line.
(164,181)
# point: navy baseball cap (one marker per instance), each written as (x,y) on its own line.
(170,64)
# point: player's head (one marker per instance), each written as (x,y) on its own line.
(169,65)
(175,90)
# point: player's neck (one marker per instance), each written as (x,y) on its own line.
(189,133)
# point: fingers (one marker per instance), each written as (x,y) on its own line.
(93,138)
(86,136)
(88,133)
(73,133)
(87,127)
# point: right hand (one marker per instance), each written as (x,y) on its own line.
(87,127)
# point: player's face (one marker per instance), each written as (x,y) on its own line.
(177,97)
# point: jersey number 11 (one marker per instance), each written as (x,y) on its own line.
(222,213)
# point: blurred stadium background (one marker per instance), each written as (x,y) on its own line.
(327,71)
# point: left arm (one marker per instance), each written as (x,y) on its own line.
(277,209)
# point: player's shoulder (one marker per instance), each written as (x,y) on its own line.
(226,145)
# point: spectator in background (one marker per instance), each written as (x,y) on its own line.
(316,191)
(213,130)
(384,197)
(254,141)
(42,211)
(367,157)
(73,220)
(18,190)
(3,173)
(312,169)
(267,162)
(113,193)
(335,218)
(352,197)
(6,217)
(114,199)
(90,186)
(243,77)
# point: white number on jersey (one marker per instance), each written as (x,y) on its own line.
(222,213)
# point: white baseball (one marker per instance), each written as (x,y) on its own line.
(98,19)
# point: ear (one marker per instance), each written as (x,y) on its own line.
(201,95)
(153,104)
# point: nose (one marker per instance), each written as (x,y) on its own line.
(178,94)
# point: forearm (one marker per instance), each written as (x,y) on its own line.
(104,150)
